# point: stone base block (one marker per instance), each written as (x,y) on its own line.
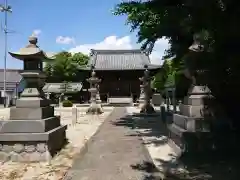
(94,109)
(191,111)
(31,103)
(32,147)
(195,100)
(29,126)
(31,113)
(182,140)
(147,108)
(188,142)
(188,123)
(157,99)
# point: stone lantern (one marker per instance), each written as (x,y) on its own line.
(146,93)
(95,106)
(33,133)
(190,126)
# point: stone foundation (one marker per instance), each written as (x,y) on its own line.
(189,131)
(32,147)
(32,134)
(29,152)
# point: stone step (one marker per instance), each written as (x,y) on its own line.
(120,101)
(29,126)
(31,113)
(27,137)
(190,110)
(191,124)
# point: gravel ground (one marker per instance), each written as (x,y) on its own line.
(77,134)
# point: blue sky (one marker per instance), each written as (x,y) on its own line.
(74,25)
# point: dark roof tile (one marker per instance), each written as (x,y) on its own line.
(120,60)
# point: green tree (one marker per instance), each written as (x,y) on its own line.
(80,58)
(216,22)
(161,77)
(65,67)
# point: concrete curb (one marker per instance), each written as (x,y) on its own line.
(158,173)
(69,174)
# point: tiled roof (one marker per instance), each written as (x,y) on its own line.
(120,60)
(12,79)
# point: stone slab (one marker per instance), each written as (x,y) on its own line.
(31,103)
(187,123)
(31,113)
(189,142)
(25,137)
(120,100)
(157,99)
(191,111)
(199,90)
(197,100)
(29,126)
(173,128)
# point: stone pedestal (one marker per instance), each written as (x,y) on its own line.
(33,133)
(157,99)
(190,124)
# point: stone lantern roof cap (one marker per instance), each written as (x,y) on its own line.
(31,51)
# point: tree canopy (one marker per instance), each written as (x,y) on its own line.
(65,67)
(216,23)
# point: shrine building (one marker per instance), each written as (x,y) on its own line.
(119,71)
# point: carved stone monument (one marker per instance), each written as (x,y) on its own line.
(95,106)
(146,93)
(33,133)
(190,121)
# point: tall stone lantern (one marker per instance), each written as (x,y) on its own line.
(146,92)
(95,106)
(33,133)
(191,125)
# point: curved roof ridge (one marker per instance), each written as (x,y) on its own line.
(116,51)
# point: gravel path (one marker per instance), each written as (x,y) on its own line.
(114,153)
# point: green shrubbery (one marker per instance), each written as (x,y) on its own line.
(67,103)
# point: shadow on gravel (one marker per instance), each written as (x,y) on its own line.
(211,166)
(149,170)
(151,127)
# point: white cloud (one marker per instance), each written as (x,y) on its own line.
(36,32)
(65,40)
(158,51)
(114,42)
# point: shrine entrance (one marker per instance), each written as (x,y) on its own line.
(120,88)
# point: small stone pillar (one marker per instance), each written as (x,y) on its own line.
(33,133)
(95,107)
(74,115)
(147,107)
